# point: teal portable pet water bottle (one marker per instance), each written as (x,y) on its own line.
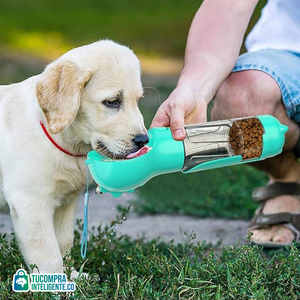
(206,146)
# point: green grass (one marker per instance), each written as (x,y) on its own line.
(122,268)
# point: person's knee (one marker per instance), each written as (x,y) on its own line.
(246,93)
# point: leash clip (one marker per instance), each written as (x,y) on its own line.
(84,236)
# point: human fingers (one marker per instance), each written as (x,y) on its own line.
(171,114)
(177,113)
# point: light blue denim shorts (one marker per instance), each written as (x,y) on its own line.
(284,67)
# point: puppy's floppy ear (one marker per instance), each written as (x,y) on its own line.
(58,93)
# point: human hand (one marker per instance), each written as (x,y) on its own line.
(183,106)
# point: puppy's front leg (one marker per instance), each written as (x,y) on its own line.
(64,218)
(33,225)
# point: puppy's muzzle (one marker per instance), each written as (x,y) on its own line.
(140,140)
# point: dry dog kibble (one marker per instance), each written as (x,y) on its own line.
(245,138)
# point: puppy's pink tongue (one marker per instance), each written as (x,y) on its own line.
(138,153)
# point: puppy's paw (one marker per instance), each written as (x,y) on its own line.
(75,274)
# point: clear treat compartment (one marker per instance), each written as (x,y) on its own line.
(245,137)
(220,139)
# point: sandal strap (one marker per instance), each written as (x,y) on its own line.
(276,189)
(294,230)
(261,220)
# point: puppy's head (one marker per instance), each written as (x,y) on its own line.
(91,95)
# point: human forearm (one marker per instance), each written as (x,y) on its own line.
(214,42)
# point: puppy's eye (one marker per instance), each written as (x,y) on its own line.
(116,103)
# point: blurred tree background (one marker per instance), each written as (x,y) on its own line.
(153,28)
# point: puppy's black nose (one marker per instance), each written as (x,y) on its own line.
(141,140)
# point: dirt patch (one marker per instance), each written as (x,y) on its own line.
(103,208)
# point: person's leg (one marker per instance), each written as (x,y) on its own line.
(249,93)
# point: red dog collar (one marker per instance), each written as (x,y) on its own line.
(56,145)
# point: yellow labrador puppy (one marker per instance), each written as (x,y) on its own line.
(87,99)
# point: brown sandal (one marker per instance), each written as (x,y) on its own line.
(289,220)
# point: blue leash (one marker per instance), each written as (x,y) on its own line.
(84,236)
